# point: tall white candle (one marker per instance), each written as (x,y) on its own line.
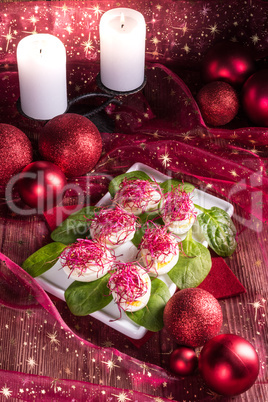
(122,49)
(41,62)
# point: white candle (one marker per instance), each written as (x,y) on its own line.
(41,62)
(122,49)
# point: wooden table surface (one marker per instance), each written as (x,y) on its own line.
(31,342)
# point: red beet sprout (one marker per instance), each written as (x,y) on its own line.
(86,255)
(113,222)
(159,243)
(126,281)
(137,194)
(177,205)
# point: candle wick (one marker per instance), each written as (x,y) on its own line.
(122,26)
(40,50)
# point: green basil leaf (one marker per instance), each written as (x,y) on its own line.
(218,230)
(193,265)
(173,183)
(43,259)
(115,183)
(151,316)
(85,298)
(75,226)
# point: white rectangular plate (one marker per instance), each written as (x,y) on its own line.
(55,281)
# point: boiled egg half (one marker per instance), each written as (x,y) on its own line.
(158,251)
(138,196)
(86,260)
(177,211)
(130,286)
(113,227)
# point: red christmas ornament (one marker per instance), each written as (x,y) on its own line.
(229,364)
(183,361)
(192,317)
(229,62)
(72,142)
(41,185)
(15,152)
(218,103)
(255,98)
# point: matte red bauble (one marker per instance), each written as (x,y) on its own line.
(229,364)
(183,361)
(192,317)
(15,152)
(227,61)
(72,142)
(255,98)
(41,185)
(218,103)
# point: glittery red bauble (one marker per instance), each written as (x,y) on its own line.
(192,317)
(229,364)
(41,185)
(72,142)
(183,361)
(255,98)
(218,103)
(229,62)
(15,152)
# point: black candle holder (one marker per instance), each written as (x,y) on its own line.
(118,93)
(102,121)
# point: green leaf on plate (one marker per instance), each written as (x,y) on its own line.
(193,265)
(218,229)
(75,226)
(173,183)
(43,259)
(115,183)
(85,298)
(150,216)
(144,225)
(151,316)
(138,235)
